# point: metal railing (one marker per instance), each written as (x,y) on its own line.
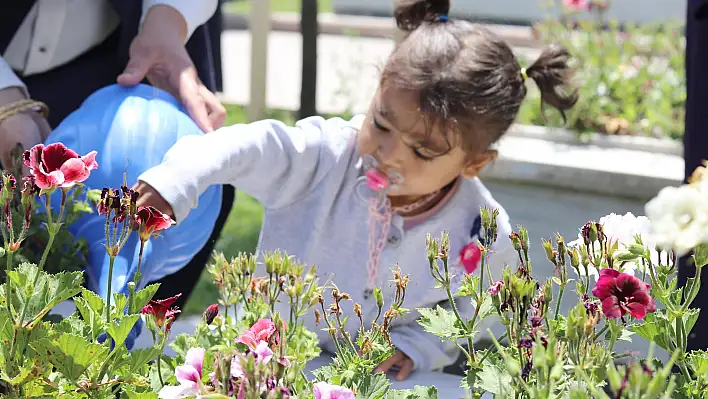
(259,25)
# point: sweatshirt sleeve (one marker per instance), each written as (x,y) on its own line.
(426,350)
(275,163)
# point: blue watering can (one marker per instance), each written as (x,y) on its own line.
(132,129)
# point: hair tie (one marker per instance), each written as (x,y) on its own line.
(443,18)
(523,74)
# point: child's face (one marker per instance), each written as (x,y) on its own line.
(395,134)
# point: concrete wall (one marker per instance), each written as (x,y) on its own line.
(525,11)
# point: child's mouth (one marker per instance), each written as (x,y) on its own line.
(378,180)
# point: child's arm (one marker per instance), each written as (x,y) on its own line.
(270,161)
(426,350)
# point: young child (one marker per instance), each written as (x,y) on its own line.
(447,93)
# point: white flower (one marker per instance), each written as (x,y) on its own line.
(679,218)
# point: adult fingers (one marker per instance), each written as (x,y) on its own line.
(216,110)
(192,100)
(138,66)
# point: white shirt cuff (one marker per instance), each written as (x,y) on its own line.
(8,77)
(195,12)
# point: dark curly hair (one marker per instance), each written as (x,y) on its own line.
(466,77)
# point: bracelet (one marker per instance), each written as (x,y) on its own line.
(17,107)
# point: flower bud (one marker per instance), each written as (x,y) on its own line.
(574,258)
(550,253)
(636,249)
(515,241)
(625,256)
(210,313)
(378,295)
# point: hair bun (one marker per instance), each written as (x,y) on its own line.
(410,14)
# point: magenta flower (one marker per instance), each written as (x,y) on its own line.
(470,257)
(211,312)
(150,220)
(57,166)
(323,390)
(622,293)
(189,377)
(160,309)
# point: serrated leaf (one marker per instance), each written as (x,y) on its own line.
(698,359)
(71,325)
(120,328)
(494,379)
(653,329)
(626,335)
(373,386)
(486,309)
(141,357)
(690,318)
(142,297)
(71,354)
(440,322)
(119,305)
(94,301)
(143,395)
(94,321)
(39,291)
(418,392)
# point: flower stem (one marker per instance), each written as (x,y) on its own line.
(558,303)
(159,370)
(457,313)
(108,293)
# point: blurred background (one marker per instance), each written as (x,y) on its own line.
(294,58)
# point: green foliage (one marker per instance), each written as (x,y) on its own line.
(631,78)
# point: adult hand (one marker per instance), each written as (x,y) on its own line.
(399,360)
(158,53)
(24,129)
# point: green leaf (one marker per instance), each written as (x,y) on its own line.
(440,322)
(698,360)
(141,357)
(143,395)
(142,297)
(654,329)
(71,354)
(418,392)
(71,325)
(120,328)
(39,291)
(94,301)
(95,321)
(373,386)
(690,318)
(625,335)
(486,309)
(493,378)
(118,307)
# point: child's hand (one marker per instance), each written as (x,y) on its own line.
(399,361)
(150,197)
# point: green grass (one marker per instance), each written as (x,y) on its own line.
(244,6)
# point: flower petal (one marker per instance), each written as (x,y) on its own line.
(177,392)
(90,160)
(637,310)
(32,157)
(74,171)
(187,375)
(195,358)
(610,307)
(54,155)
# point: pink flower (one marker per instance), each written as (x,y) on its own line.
(189,377)
(323,390)
(622,293)
(495,287)
(470,257)
(57,166)
(150,220)
(577,5)
(262,330)
(262,353)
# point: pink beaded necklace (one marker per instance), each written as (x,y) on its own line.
(380,215)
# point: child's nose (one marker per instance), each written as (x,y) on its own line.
(387,149)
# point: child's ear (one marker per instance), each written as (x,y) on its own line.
(476,164)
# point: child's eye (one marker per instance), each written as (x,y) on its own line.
(420,155)
(378,125)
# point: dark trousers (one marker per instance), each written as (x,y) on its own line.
(695,141)
(63,89)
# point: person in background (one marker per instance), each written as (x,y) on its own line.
(59,52)
(695,140)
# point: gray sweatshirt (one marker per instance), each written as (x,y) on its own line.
(309,180)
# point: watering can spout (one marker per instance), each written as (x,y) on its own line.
(132,129)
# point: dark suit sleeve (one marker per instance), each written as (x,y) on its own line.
(698,9)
